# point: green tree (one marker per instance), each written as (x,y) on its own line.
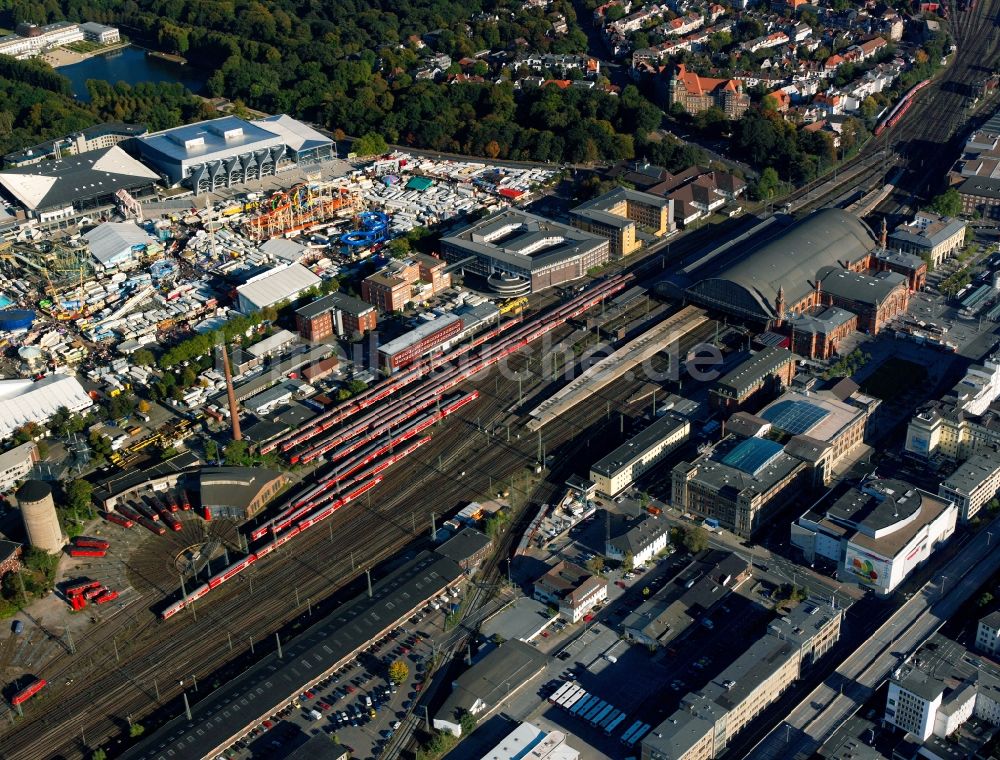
(467,721)
(136,729)
(98,754)
(79,494)
(399,671)
(628,562)
(596,565)
(984,599)
(211,450)
(948,203)
(695,539)
(370,144)
(767,185)
(143,357)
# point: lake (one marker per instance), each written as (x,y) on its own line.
(131,65)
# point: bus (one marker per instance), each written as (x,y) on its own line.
(604,713)
(594,710)
(637,736)
(627,736)
(612,726)
(559,693)
(584,705)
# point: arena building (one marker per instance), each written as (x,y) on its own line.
(818,262)
(521,253)
(229,151)
(67,188)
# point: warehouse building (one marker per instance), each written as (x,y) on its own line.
(274,286)
(623,466)
(973,484)
(229,151)
(238,493)
(762,376)
(708,719)
(115,244)
(24,401)
(61,190)
(617,215)
(425,339)
(337,314)
(520,253)
(876,534)
(483,688)
(233,709)
(529,742)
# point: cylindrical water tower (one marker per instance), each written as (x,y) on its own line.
(38,511)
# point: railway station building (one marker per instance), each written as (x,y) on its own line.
(827,259)
(520,253)
(238,493)
(760,376)
(229,151)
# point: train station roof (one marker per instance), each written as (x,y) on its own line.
(232,709)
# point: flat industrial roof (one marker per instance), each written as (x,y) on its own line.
(750,372)
(278,285)
(270,684)
(639,444)
(417,334)
(204,138)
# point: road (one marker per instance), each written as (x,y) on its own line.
(840,695)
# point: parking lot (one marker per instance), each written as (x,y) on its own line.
(358,706)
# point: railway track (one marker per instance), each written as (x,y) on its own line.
(930,135)
(139,672)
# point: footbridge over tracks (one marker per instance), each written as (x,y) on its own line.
(609,369)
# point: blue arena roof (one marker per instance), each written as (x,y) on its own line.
(795,417)
(208,137)
(752,454)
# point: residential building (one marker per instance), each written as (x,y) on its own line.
(416,279)
(336,314)
(16,463)
(740,483)
(618,214)
(519,253)
(878,533)
(708,719)
(488,683)
(762,376)
(573,590)
(974,483)
(697,94)
(643,538)
(698,191)
(276,285)
(427,338)
(623,466)
(988,634)
(934,692)
(932,237)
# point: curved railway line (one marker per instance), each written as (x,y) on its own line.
(106,690)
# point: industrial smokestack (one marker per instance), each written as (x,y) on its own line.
(234,412)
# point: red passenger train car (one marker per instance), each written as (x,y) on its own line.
(92,543)
(28,692)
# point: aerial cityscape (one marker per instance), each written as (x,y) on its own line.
(499,380)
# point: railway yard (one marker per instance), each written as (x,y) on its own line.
(405,512)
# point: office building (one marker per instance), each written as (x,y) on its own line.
(99,136)
(16,463)
(930,236)
(988,634)
(413,280)
(619,213)
(642,538)
(708,719)
(760,378)
(425,339)
(973,484)
(623,466)
(337,314)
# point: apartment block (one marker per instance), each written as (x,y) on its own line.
(974,483)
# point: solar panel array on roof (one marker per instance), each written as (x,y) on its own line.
(795,417)
(752,455)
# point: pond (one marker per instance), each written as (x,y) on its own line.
(131,65)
